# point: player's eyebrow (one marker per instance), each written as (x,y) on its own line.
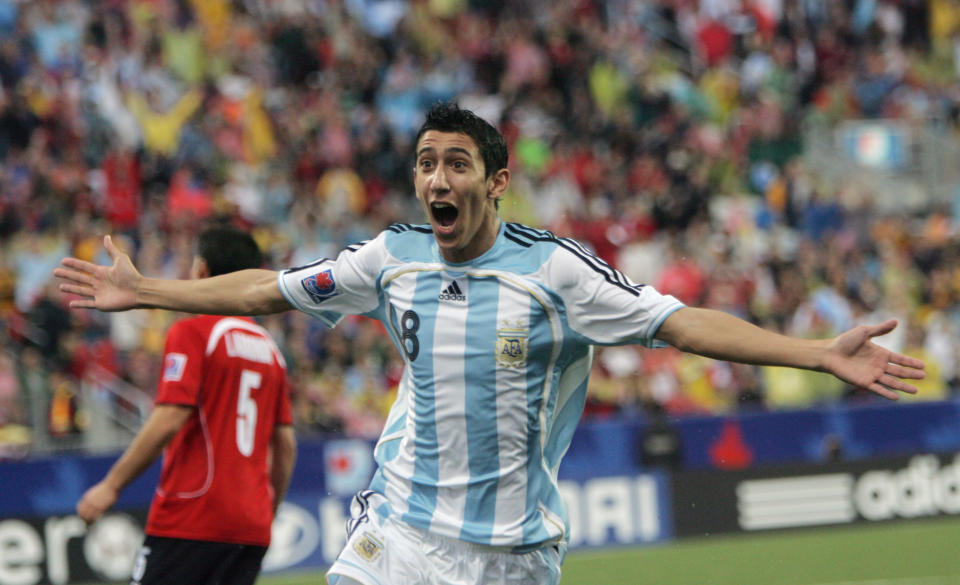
(452,149)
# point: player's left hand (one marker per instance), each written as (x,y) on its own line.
(855,359)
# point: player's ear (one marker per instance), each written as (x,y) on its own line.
(497,184)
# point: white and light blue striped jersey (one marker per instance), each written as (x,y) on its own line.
(497,355)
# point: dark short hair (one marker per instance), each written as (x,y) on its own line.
(227,249)
(449,117)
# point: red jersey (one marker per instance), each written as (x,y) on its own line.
(215,482)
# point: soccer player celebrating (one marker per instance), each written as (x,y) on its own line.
(223,419)
(496,322)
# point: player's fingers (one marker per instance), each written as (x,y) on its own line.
(114,251)
(898,384)
(78,289)
(78,265)
(905,360)
(83,304)
(74,275)
(83,510)
(89,514)
(911,373)
(881,328)
(877,388)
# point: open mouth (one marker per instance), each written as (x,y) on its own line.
(445,214)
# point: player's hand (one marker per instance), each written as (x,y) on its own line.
(108,288)
(97,500)
(855,359)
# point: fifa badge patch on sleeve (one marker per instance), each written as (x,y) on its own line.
(512,344)
(320,286)
(174,365)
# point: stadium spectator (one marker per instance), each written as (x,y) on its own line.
(652,141)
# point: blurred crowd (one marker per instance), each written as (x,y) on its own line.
(666,135)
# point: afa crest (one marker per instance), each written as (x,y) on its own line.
(512,345)
(368,547)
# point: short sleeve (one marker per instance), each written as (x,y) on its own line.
(182,373)
(602,304)
(330,288)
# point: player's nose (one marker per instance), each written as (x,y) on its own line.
(439,181)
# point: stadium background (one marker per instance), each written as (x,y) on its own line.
(790,161)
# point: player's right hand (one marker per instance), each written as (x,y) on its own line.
(97,500)
(107,288)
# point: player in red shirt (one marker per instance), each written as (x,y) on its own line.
(223,421)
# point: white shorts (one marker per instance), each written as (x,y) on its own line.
(387,551)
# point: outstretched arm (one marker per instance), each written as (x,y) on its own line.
(160,428)
(120,287)
(851,356)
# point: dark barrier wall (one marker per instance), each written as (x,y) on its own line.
(747,473)
(882,490)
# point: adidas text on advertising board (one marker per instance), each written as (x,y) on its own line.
(922,488)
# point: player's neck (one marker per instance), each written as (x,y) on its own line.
(480,243)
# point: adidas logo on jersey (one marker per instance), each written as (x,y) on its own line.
(453,293)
